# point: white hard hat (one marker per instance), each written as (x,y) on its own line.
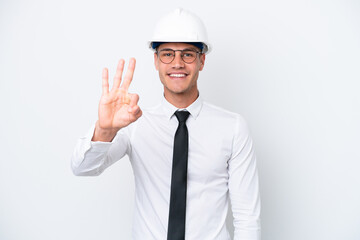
(181,26)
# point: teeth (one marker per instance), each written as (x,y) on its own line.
(177,75)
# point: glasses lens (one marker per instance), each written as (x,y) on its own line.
(188,56)
(166,56)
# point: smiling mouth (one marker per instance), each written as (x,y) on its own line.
(177,75)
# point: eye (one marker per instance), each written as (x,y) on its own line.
(167,54)
(189,54)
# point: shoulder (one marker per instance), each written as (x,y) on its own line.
(227,124)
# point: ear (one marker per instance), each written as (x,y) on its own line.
(202,61)
(156,63)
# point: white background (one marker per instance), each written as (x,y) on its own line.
(291,68)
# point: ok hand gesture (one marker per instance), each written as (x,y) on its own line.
(117,107)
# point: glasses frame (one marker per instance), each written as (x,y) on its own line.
(181,54)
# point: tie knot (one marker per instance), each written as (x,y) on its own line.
(182,115)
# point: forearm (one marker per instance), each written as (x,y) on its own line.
(246,210)
(92,158)
(245,201)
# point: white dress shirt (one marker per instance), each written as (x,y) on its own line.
(221,167)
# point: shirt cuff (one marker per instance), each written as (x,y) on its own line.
(95,146)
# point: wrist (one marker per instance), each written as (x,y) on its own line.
(104,134)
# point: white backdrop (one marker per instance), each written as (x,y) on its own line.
(291,68)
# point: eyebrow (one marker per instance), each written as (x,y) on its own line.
(185,49)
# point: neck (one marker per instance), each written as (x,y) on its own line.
(181,100)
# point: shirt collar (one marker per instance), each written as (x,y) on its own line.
(194,108)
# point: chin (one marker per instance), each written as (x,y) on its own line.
(177,91)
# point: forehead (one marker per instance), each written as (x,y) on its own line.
(177,46)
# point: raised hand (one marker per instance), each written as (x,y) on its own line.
(117,107)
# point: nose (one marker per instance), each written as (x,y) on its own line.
(178,62)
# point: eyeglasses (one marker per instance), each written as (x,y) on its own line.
(168,55)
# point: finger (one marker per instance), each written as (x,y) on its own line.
(105,81)
(133,117)
(118,74)
(129,74)
(134,99)
(134,110)
(125,97)
(138,114)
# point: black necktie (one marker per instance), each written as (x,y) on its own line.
(176,226)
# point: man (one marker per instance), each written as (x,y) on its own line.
(190,158)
